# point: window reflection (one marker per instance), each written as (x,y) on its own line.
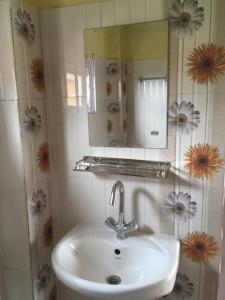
(71,89)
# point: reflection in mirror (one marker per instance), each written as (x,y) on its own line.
(127,74)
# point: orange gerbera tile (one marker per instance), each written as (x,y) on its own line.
(202,160)
(206,63)
(200,247)
(43,157)
(125,125)
(37,72)
(124,88)
(53,293)
(110,126)
(109,88)
(48,233)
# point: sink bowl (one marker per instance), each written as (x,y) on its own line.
(93,262)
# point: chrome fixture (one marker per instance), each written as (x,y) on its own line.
(131,167)
(121,228)
(141,79)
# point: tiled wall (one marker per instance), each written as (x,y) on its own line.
(67,120)
(32,123)
(83,197)
(218,134)
(14,240)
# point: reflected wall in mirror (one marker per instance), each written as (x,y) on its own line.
(127,75)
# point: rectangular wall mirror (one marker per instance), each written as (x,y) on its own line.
(127,85)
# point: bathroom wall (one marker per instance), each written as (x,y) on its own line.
(219,90)
(83,197)
(15,275)
(31,125)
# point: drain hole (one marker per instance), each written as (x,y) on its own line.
(113,279)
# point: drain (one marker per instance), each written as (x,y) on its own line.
(113,279)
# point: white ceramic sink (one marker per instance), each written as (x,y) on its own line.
(145,264)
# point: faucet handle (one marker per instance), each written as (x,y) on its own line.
(111,223)
(131,226)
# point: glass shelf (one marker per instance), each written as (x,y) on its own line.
(131,167)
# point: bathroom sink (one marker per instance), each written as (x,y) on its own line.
(92,261)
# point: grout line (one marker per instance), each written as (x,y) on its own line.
(146,10)
(130,15)
(192,140)
(178,138)
(12,190)
(101,3)
(64,97)
(204,183)
(15,268)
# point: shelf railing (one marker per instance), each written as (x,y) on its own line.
(131,167)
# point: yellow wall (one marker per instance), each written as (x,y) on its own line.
(138,41)
(103,42)
(43,4)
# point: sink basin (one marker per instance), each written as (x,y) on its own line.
(93,262)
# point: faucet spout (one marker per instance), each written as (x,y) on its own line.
(120,227)
(117,186)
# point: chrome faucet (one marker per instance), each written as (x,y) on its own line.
(121,228)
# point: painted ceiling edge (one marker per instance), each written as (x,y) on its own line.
(45,4)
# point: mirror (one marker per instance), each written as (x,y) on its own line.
(127,75)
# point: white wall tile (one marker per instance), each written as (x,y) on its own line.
(65,29)
(123,12)
(53,48)
(18,284)
(79,203)
(22,81)
(152,205)
(100,201)
(93,15)
(125,153)
(156,10)
(111,151)
(138,153)
(138,197)
(108,13)
(97,151)
(138,10)
(67,142)
(79,23)
(46,35)
(2,286)
(7,69)
(11,160)
(14,230)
